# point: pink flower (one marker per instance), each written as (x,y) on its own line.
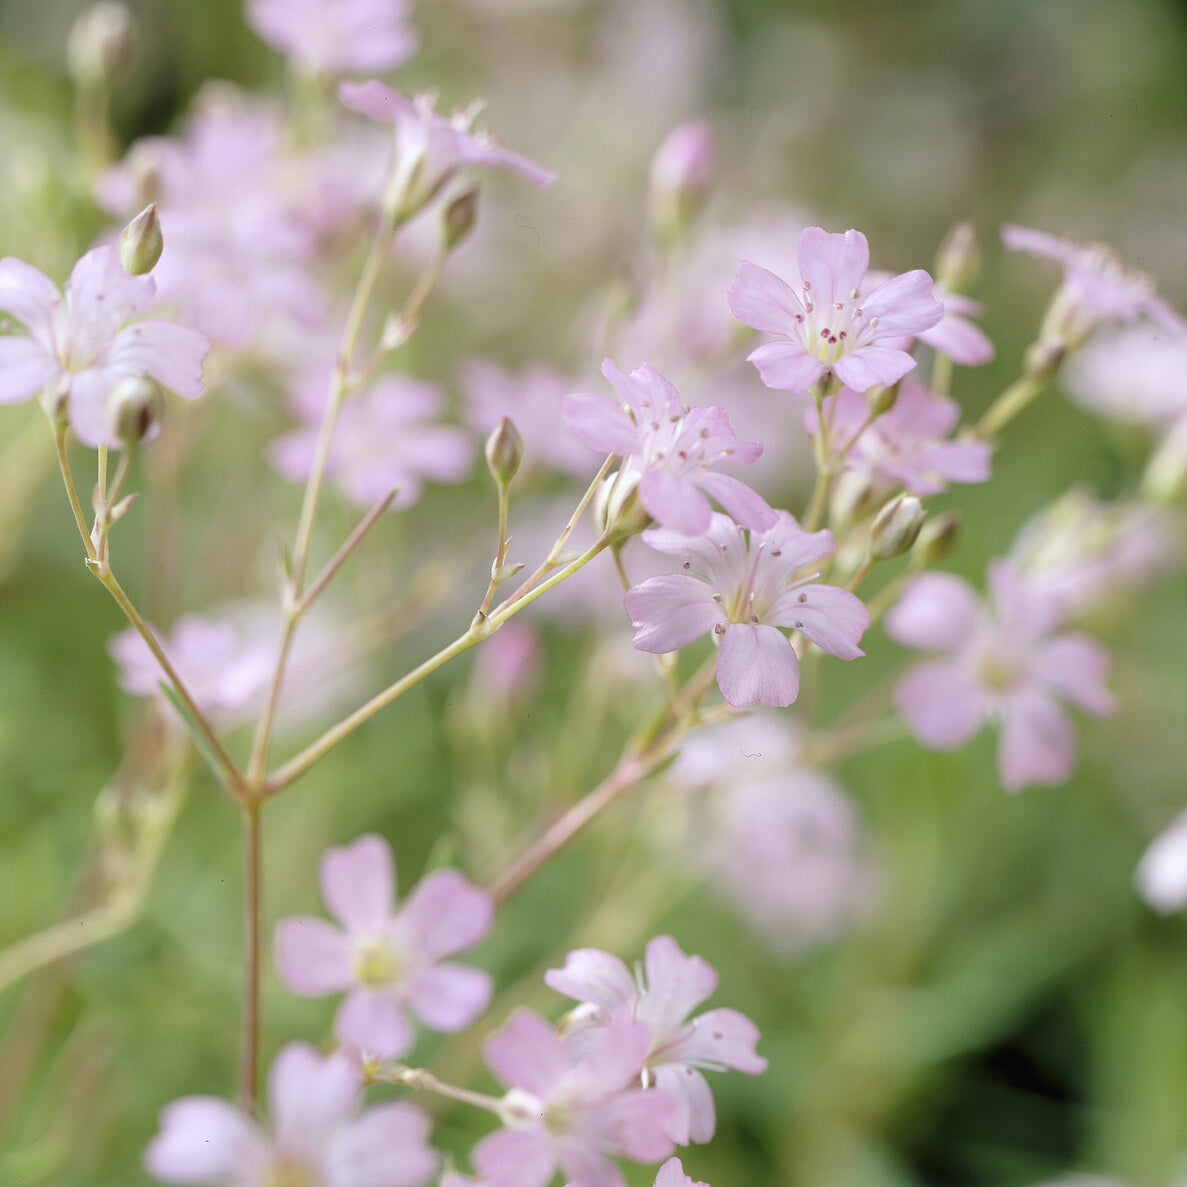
(671,1174)
(385,960)
(336,36)
(833,326)
(1003,663)
(743,590)
(384,438)
(673,985)
(316,1137)
(907,446)
(430,149)
(571,1113)
(667,450)
(954,334)
(1162,873)
(78,344)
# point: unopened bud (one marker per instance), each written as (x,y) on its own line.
(141,242)
(896,527)
(1044,357)
(99,47)
(958,262)
(854,496)
(1165,479)
(504,452)
(458,218)
(880,400)
(936,539)
(681,172)
(134,409)
(617,512)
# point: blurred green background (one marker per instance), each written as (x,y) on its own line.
(1010,1010)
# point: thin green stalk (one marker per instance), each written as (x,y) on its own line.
(253,950)
(1011,402)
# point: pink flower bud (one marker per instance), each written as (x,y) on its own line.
(681,172)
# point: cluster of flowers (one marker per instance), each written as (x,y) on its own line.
(620,1077)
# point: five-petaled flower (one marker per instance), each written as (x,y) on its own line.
(831,325)
(743,590)
(674,984)
(78,344)
(388,960)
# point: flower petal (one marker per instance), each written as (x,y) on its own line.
(312,956)
(832,265)
(1037,744)
(756,665)
(515,1158)
(204,1140)
(385,1146)
(833,618)
(373,1021)
(526,1054)
(670,611)
(786,366)
(445,913)
(449,997)
(870,365)
(358,884)
(937,612)
(944,703)
(760,299)
(591,975)
(309,1094)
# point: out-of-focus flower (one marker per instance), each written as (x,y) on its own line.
(905,446)
(832,325)
(1162,873)
(332,37)
(667,450)
(385,438)
(1003,663)
(76,345)
(661,997)
(388,960)
(430,149)
(743,590)
(508,661)
(954,334)
(571,1113)
(671,1174)
(317,1135)
(681,171)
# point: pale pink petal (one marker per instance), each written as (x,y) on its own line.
(670,611)
(309,1094)
(358,884)
(379,102)
(671,1174)
(756,665)
(676,984)
(515,1158)
(904,305)
(1077,666)
(639,1121)
(832,265)
(743,504)
(204,1140)
(958,338)
(695,1118)
(1037,744)
(673,501)
(446,913)
(312,956)
(617,1058)
(584,1165)
(760,299)
(526,1053)
(719,1039)
(26,292)
(870,365)
(103,292)
(386,1146)
(833,618)
(372,1021)
(944,703)
(591,975)
(937,612)
(87,407)
(601,424)
(25,369)
(449,997)
(170,353)
(786,366)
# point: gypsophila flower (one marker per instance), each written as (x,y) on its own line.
(743,590)
(317,1136)
(430,149)
(571,1113)
(1005,663)
(337,36)
(831,325)
(388,961)
(668,450)
(76,345)
(671,1174)
(661,996)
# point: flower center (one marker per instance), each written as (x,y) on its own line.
(998,672)
(375,962)
(829,331)
(287,1171)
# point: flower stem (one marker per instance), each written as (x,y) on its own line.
(419,1077)
(1012,401)
(252,953)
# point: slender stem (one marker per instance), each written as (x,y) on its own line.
(504,489)
(1012,401)
(252,955)
(80,520)
(339,558)
(419,1077)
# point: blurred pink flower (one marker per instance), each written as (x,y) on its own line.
(388,960)
(430,149)
(385,438)
(660,998)
(671,1174)
(668,450)
(907,446)
(78,344)
(337,36)
(682,170)
(833,326)
(317,1136)
(1162,873)
(568,1112)
(743,590)
(508,662)
(1001,663)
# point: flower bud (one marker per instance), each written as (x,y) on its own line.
(134,410)
(504,452)
(854,496)
(99,47)
(881,399)
(458,218)
(141,242)
(681,172)
(936,539)
(1165,479)
(617,511)
(1044,357)
(958,261)
(896,527)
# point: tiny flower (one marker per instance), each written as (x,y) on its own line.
(671,1174)
(668,450)
(1162,873)
(388,960)
(908,445)
(743,590)
(77,344)
(317,1137)
(1004,664)
(661,997)
(430,149)
(571,1113)
(330,37)
(831,325)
